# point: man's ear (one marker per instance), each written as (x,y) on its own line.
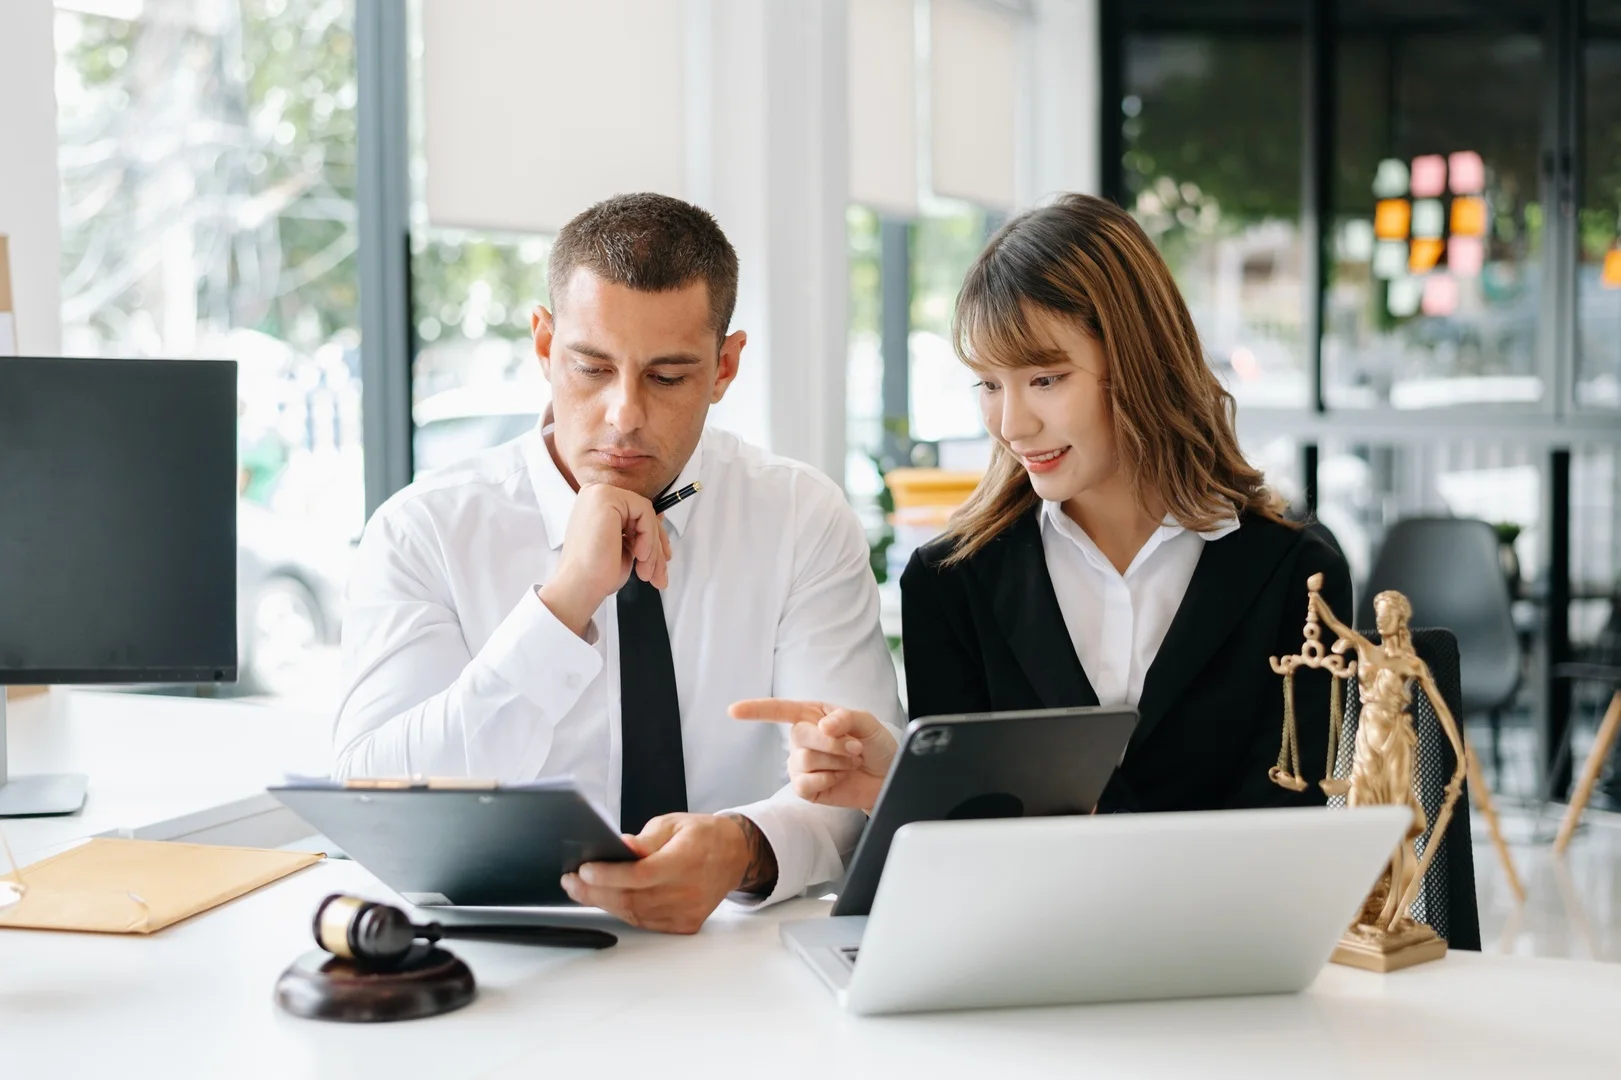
(731,356)
(540,324)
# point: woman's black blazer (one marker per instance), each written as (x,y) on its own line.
(987,634)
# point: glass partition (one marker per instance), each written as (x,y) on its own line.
(1434,280)
(1598,269)
(1212,137)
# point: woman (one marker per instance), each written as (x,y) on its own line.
(1119,549)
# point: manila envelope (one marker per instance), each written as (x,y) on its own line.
(138,886)
(8,318)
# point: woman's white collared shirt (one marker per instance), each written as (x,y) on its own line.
(454,667)
(1116,621)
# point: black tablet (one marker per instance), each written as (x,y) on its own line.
(1039,763)
(461,842)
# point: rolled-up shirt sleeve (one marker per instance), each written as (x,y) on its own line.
(417,701)
(829,648)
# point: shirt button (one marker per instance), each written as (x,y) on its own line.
(573,680)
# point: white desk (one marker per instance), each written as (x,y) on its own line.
(196,1000)
(161,767)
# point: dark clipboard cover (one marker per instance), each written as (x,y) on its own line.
(461,842)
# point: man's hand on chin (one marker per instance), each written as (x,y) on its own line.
(689,863)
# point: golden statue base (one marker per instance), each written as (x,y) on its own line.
(1375,949)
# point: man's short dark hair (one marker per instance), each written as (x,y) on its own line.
(651,243)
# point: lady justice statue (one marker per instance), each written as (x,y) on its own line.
(1384,936)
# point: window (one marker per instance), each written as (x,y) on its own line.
(1598,272)
(1211,137)
(946,240)
(864,372)
(926,414)
(207,157)
(475,381)
(1435,241)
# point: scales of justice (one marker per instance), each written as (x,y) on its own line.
(1384,937)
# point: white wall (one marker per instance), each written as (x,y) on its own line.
(28,177)
(1059,108)
(528,117)
(767,155)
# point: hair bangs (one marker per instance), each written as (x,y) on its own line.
(994,329)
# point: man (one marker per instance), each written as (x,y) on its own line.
(528,614)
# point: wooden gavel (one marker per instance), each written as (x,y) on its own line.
(379,936)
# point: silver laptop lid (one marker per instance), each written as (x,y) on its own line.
(1116,908)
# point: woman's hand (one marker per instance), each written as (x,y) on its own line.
(837,757)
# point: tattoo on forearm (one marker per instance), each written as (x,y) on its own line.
(761,875)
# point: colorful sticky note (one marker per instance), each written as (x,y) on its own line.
(1465,255)
(1403,296)
(1389,259)
(1429,176)
(1356,240)
(1440,294)
(1611,276)
(1390,179)
(1468,172)
(1424,256)
(1391,218)
(1429,219)
(1469,216)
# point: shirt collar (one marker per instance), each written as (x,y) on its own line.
(556,498)
(1054,518)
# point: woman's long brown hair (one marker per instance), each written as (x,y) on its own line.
(1085,260)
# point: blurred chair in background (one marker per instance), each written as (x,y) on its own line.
(1450,570)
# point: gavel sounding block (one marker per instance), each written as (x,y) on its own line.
(429,981)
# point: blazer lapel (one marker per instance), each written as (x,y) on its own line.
(1225,585)
(1027,610)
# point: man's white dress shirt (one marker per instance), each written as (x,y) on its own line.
(454,667)
(1116,621)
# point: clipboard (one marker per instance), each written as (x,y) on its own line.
(461,842)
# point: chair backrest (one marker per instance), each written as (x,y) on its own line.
(1446,900)
(1606,649)
(1449,569)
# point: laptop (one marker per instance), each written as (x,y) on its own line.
(1028,763)
(1120,907)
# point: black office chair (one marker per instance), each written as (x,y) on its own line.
(1448,569)
(1446,900)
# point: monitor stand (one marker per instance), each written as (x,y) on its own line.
(44,795)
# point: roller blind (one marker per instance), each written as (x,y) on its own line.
(534,109)
(973,86)
(882,66)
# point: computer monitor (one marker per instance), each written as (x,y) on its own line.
(117,533)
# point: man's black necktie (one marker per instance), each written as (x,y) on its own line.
(653,778)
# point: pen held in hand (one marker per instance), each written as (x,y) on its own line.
(669,499)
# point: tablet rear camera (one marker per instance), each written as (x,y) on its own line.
(931,740)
